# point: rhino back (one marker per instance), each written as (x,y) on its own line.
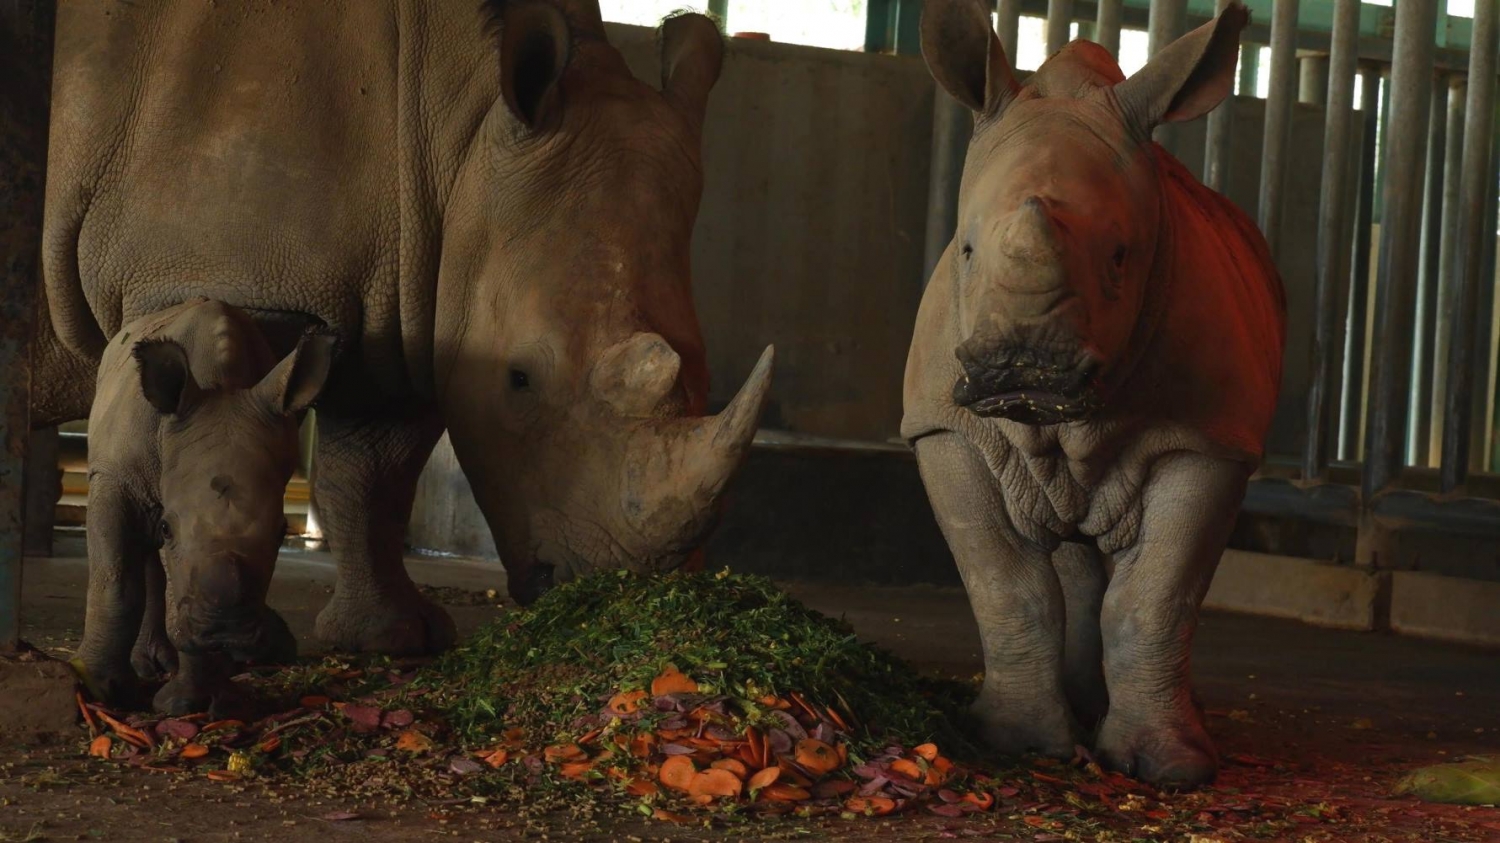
(278,157)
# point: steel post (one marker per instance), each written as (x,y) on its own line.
(1333,247)
(952,125)
(25,88)
(1165,25)
(1312,78)
(1216,141)
(1352,397)
(1107,25)
(1059,24)
(1478,184)
(1249,69)
(1419,411)
(1008,25)
(1278,129)
(1458,93)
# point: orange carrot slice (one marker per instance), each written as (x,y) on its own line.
(413,741)
(785,793)
(908,768)
(876,806)
(981,799)
(715,784)
(642,787)
(223,776)
(765,778)
(315,701)
(926,752)
(88,716)
(99,747)
(668,816)
(671,681)
(641,745)
(575,769)
(194,750)
(677,772)
(564,752)
(817,757)
(790,774)
(734,766)
(626,703)
(494,757)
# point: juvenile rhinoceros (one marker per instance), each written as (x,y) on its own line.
(478,199)
(192,439)
(1094,367)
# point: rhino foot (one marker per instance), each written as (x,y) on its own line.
(153,658)
(409,626)
(1017,730)
(180,697)
(1169,755)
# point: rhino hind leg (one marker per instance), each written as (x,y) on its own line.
(1080,570)
(1017,602)
(1154,729)
(365,483)
(154,657)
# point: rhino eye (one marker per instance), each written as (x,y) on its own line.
(968,251)
(519,380)
(163,532)
(1119,257)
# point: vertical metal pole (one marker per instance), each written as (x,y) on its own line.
(1162,28)
(1008,26)
(1107,25)
(720,10)
(1333,248)
(952,124)
(1249,69)
(1278,131)
(1481,431)
(1216,141)
(1419,411)
(1059,23)
(1400,233)
(25,88)
(1478,184)
(1312,79)
(1458,94)
(1351,406)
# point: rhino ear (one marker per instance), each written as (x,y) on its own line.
(1190,76)
(692,54)
(298,380)
(166,377)
(535,42)
(965,56)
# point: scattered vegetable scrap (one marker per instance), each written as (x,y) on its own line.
(680,698)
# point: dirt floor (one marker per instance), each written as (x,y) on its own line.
(1300,714)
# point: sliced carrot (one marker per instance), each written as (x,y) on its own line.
(817,757)
(877,806)
(802,704)
(88,716)
(223,776)
(99,747)
(626,703)
(943,766)
(270,744)
(765,778)
(127,732)
(413,741)
(982,799)
(315,701)
(733,765)
(494,757)
(642,787)
(575,769)
(641,745)
(564,752)
(715,784)
(222,724)
(837,719)
(772,701)
(589,737)
(785,793)
(668,816)
(843,754)
(671,681)
(677,772)
(926,752)
(790,774)
(758,748)
(194,750)
(908,768)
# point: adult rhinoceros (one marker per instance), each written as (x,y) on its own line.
(481,202)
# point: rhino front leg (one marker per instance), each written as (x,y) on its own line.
(1154,730)
(116,597)
(1016,597)
(1080,570)
(365,484)
(154,657)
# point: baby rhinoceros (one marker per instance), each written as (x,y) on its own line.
(1095,364)
(192,439)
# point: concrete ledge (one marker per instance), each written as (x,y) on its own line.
(1335,596)
(1446,608)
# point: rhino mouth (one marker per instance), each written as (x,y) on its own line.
(1030,395)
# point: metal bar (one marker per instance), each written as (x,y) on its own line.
(1059,24)
(908,25)
(1216,140)
(1419,411)
(1249,69)
(880,26)
(1107,25)
(25,86)
(1278,130)
(1008,24)
(1351,405)
(719,9)
(1458,93)
(1469,260)
(1165,26)
(1482,434)
(1400,231)
(1312,78)
(1333,248)
(952,126)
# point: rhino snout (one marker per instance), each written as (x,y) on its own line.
(1026,385)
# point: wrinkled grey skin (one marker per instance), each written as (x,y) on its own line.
(478,199)
(192,439)
(1093,370)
